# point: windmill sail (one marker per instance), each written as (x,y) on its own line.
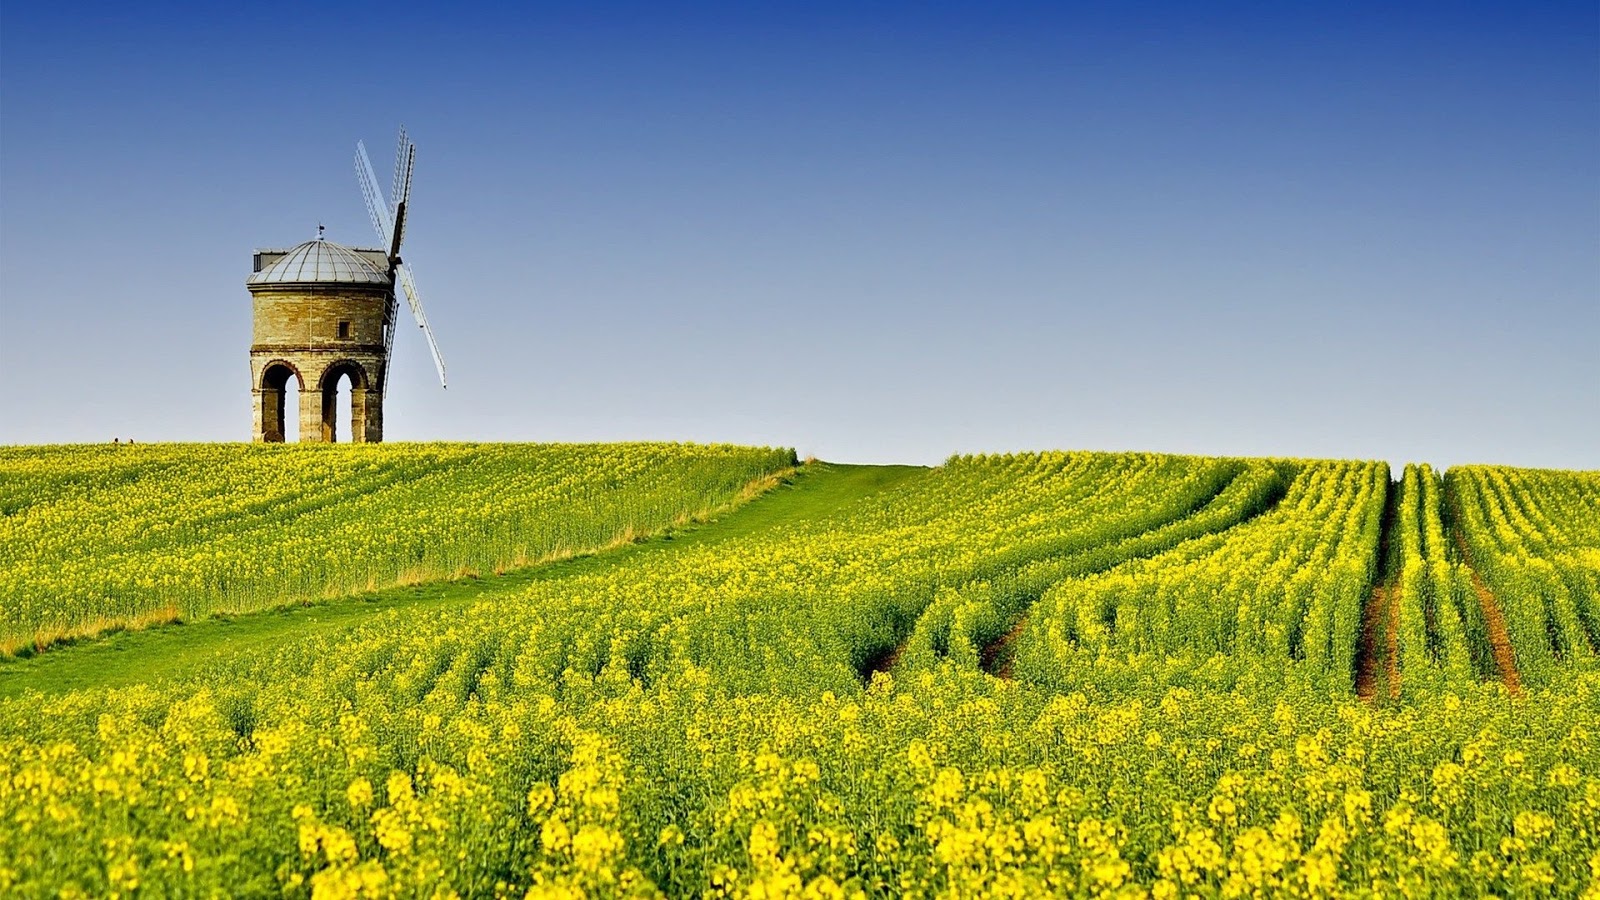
(402,195)
(415,299)
(401,145)
(376,208)
(381,223)
(389,221)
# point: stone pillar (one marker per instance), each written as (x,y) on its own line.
(272,423)
(311,424)
(369,414)
(259,428)
(330,410)
(358,415)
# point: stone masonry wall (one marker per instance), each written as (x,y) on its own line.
(300,328)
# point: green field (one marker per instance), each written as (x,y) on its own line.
(652,669)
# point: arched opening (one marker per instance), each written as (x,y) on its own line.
(280,403)
(343,402)
(336,408)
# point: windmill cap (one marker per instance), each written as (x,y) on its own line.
(321,262)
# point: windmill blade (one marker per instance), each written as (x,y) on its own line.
(402,198)
(415,299)
(400,145)
(402,174)
(373,195)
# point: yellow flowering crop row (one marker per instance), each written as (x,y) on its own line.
(1443,634)
(948,783)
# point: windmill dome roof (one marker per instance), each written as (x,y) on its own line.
(321,261)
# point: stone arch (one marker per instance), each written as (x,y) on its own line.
(337,368)
(328,386)
(279,370)
(273,391)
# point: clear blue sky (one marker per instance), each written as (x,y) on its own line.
(875,232)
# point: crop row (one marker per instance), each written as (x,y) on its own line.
(1443,632)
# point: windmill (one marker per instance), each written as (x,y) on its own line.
(389,220)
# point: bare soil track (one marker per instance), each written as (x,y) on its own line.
(1381,614)
(1494,619)
(1380,620)
(1000,651)
(884,661)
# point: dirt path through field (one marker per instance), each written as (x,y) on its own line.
(1494,619)
(1000,651)
(1382,615)
(885,661)
(1378,647)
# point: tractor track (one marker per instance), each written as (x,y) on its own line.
(887,658)
(1505,657)
(1381,615)
(997,658)
(1379,644)
(884,661)
(1494,619)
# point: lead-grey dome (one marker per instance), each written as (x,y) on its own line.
(321,262)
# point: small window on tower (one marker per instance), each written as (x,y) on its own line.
(344,329)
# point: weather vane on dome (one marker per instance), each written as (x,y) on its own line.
(320,229)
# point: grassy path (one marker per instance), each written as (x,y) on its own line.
(168,651)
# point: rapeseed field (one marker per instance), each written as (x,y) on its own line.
(1052,674)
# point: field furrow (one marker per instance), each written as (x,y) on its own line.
(1505,657)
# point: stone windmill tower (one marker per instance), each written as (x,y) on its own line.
(325,312)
